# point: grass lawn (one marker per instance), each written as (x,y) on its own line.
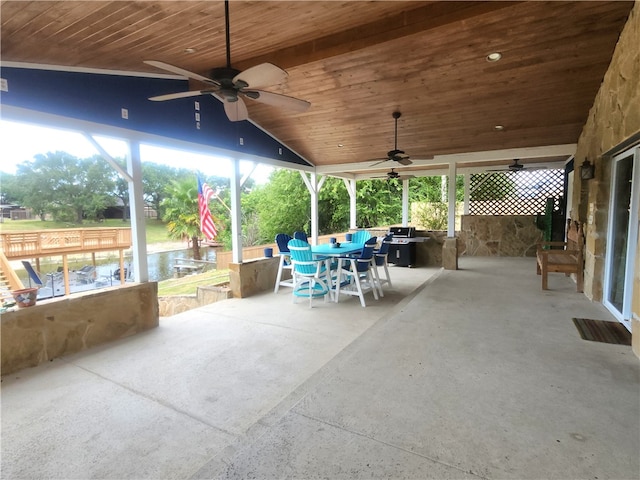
(156,230)
(188,285)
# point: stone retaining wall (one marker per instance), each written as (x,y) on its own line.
(62,326)
(174,304)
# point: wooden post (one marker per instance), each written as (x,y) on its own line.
(122,275)
(65,271)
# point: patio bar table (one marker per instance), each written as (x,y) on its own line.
(345,248)
(328,251)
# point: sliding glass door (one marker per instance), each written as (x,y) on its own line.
(622,236)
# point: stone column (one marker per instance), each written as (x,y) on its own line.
(450,253)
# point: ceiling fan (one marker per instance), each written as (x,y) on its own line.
(516,166)
(230,85)
(395,154)
(393,175)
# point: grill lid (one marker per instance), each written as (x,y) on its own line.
(403,232)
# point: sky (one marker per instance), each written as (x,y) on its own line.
(20,142)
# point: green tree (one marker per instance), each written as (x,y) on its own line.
(121,191)
(333,207)
(156,178)
(379,203)
(67,187)
(181,212)
(10,190)
(492,186)
(282,205)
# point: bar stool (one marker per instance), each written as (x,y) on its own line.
(282,239)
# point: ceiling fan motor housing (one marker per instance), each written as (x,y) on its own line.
(228,90)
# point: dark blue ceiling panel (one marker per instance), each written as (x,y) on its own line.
(108,99)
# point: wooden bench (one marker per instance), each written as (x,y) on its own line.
(564,257)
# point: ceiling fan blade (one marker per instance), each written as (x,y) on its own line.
(405,177)
(236,111)
(277,100)
(403,160)
(181,71)
(173,96)
(378,161)
(263,75)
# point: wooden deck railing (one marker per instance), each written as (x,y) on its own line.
(9,274)
(43,243)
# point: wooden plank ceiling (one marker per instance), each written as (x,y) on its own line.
(359,61)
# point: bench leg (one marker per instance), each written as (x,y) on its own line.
(580,279)
(544,281)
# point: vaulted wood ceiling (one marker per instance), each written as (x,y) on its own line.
(357,62)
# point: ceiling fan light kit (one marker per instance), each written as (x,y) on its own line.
(230,85)
(393,175)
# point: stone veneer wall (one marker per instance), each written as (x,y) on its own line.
(253,276)
(62,326)
(498,236)
(613,118)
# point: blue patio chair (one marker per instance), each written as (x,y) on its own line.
(300,236)
(380,257)
(310,276)
(360,236)
(282,240)
(356,275)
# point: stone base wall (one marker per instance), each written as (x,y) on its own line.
(174,304)
(253,276)
(62,326)
(429,252)
(498,236)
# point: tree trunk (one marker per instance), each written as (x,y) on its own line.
(196,248)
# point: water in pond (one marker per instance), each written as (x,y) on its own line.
(160,265)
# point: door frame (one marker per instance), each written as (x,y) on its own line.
(625,315)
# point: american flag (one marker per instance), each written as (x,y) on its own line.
(207,226)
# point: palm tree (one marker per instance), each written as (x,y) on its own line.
(182,214)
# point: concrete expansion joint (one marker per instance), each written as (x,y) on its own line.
(374,439)
(155,400)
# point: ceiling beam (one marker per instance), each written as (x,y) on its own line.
(469,157)
(408,22)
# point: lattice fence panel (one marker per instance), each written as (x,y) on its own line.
(515,193)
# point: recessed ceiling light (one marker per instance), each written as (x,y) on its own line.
(189,50)
(499,128)
(494,57)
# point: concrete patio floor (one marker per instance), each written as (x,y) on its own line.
(475,373)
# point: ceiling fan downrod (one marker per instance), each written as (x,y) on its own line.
(396,115)
(227,33)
